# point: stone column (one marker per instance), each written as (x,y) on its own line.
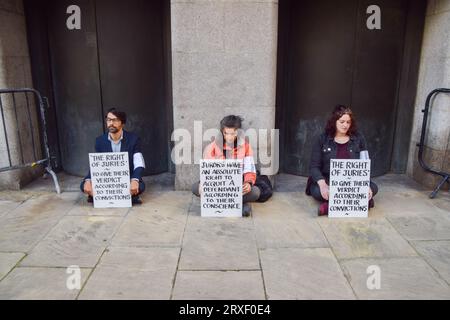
(15,72)
(224,56)
(434,73)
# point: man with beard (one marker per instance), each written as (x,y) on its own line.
(119,140)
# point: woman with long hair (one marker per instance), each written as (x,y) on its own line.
(341,140)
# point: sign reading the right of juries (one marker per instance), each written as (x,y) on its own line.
(349,188)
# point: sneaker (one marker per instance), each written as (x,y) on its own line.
(323,209)
(246,210)
(371,203)
(136,200)
(90,199)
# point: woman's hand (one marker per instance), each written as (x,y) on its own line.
(324,189)
(246,188)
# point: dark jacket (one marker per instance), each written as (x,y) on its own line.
(325,149)
(131,143)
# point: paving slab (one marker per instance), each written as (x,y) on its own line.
(152,225)
(133,273)
(288,232)
(437,254)
(400,278)
(10,195)
(74,241)
(178,199)
(219,285)
(404,203)
(39,284)
(353,238)
(295,273)
(6,206)
(219,244)
(442,200)
(433,226)
(8,260)
(287,204)
(27,224)
(84,208)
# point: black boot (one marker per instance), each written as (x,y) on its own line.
(136,200)
(247,210)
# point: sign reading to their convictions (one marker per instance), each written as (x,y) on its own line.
(221,188)
(110,176)
(349,189)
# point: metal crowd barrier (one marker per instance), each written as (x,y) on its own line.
(445,175)
(46,158)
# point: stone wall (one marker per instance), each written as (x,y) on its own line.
(434,73)
(15,72)
(224,57)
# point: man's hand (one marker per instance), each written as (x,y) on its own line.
(88,187)
(324,189)
(134,187)
(246,188)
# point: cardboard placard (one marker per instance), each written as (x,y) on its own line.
(221,188)
(110,176)
(349,188)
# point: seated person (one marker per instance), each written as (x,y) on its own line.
(119,140)
(341,140)
(234,147)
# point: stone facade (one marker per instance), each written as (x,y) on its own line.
(434,73)
(15,72)
(224,60)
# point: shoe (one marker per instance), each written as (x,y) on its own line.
(323,209)
(136,200)
(246,210)
(371,203)
(90,199)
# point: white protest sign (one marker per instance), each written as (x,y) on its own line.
(110,176)
(349,188)
(221,188)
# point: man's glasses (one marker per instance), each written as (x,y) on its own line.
(115,120)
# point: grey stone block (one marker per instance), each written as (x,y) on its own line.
(251,27)
(84,208)
(74,241)
(404,204)
(289,232)
(405,278)
(23,227)
(160,221)
(39,284)
(197,26)
(219,244)
(218,285)
(437,254)
(353,238)
(133,273)
(433,226)
(8,260)
(303,274)
(6,206)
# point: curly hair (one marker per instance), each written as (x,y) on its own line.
(337,113)
(122,116)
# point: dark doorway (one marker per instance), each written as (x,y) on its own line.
(117,59)
(328,56)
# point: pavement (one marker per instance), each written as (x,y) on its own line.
(59,247)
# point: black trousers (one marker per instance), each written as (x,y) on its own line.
(315,191)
